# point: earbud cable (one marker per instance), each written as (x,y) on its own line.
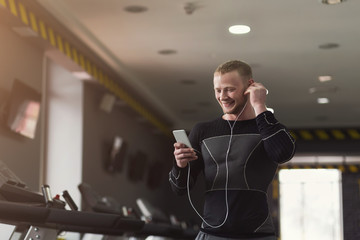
(227,177)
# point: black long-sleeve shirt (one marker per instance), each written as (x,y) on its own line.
(257,147)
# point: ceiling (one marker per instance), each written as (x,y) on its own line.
(283,48)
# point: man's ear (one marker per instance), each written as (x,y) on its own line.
(251,81)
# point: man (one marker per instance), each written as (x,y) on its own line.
(238,153)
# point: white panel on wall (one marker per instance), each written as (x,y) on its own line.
(63,149)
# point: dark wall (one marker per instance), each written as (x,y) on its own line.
(155,151)
(20,60)
(351,205)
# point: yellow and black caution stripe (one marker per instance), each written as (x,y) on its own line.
(275,189)
(348,168)
(339,134)
(20,10)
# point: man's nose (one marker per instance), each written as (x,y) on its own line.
(223,95)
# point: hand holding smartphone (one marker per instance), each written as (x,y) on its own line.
(183,155)
(181,137)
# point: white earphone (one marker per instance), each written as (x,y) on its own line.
(227,176)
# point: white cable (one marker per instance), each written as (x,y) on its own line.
(227,177)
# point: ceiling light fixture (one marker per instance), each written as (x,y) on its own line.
(329,45)
(167,52)
(325,78)
(188,82)
(323,90)
(330,2)
(190,7)
(323,100)
(82,75)
(135,9)
(239,29)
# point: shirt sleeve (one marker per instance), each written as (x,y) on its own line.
(180,178)
(279,145)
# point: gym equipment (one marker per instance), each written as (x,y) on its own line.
(37,216)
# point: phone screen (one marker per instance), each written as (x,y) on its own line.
(181,137)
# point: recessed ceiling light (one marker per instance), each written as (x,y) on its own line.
(188,82)
(190,7)
(323,100)
(239,29)
(82,75)
(323,89)
(325,78)
(135,9)
(167,52)
(329,45)
(329,2)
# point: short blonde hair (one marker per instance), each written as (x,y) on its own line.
(243,68)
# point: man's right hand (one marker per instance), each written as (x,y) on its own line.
(183,154)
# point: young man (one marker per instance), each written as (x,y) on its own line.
(238,153)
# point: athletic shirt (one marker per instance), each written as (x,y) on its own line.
(257,147)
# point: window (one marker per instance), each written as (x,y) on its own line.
(310,204)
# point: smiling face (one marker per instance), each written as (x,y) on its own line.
(229,91)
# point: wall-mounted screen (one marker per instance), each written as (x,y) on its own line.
(23,109)
(116,158)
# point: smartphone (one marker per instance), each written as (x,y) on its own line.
(181,137)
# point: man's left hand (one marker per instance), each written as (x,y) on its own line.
(257,96)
